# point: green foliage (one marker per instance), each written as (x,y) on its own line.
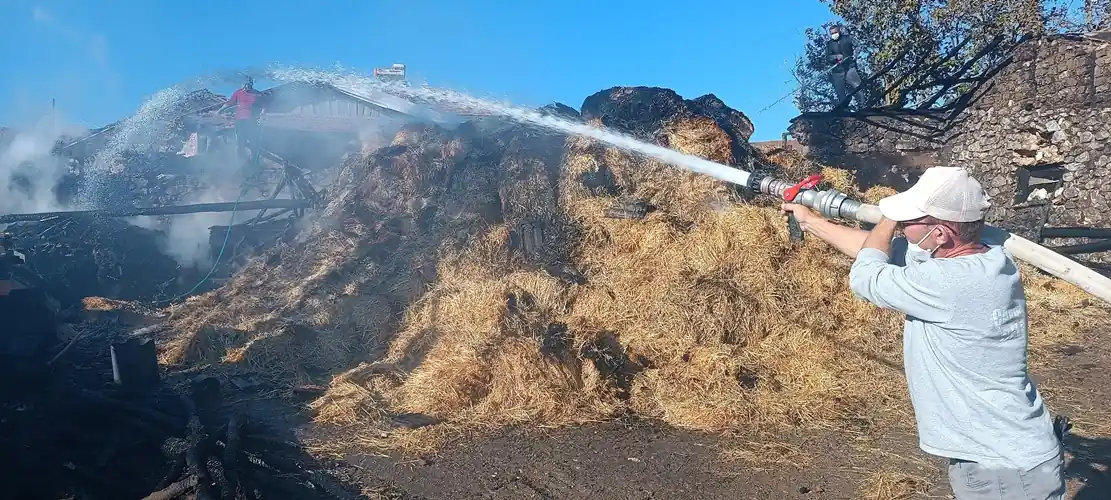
(905,32)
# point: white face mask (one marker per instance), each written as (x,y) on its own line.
(835,35)
(918,253)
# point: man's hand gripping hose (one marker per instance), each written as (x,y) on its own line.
(793,229)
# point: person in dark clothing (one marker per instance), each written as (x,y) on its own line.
(840,55)
(246,120)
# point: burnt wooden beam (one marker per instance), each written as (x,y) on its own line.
(985,84)
(985,50)
(945,81)
(174,210)
(277,190)
(295,175)
(272,216)
(890,88)
(903,131)
(1075,231)
(297,178)
(917,65)
(932,68)
(1096,247)
(963,69)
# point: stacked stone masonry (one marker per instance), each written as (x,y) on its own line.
(1037,135)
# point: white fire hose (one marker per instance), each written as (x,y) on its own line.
(832,203)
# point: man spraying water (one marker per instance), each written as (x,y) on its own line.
(246,121)
(964,338)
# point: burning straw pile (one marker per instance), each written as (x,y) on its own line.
(496,275)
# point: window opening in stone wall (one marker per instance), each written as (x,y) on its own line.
(1038,183)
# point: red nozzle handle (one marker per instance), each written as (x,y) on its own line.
(807,183)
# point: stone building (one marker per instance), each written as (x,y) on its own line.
(1036,132)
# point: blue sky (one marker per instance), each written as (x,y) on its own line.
(101,58)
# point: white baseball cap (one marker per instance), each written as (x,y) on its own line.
(945,193)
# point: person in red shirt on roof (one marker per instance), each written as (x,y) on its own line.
(246,120)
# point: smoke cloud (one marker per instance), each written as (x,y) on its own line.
(186,238)
(29,173)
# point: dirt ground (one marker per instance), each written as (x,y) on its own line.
(637,460)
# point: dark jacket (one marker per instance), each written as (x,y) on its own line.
(842,46)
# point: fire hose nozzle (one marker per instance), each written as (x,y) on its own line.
(830,203)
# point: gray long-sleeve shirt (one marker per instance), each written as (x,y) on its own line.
(964,350)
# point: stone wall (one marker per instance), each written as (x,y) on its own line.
(880,148)
(1038,136)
